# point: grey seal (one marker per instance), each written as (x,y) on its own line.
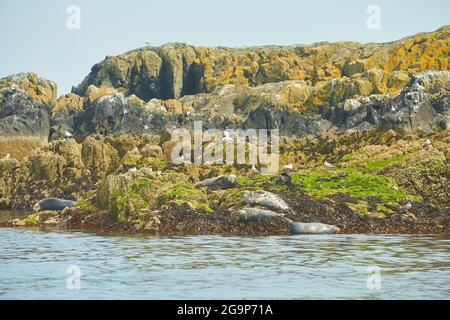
(264,199)
(256,214)
(220,182)
(311,228)
(53,204)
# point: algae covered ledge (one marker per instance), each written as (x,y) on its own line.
(363,142)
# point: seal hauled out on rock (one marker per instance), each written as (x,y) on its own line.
(264,199)
(53,204)
(256,214)
(220,182)
(311,228)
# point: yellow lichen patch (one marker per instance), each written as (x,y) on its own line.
(38,88)
(93,93)
(67,103)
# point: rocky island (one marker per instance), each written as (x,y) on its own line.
(364,140)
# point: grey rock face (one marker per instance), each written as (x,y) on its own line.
(311,228)
(257,215)
(220,182)
(264,199)
(113,115)
(21,115)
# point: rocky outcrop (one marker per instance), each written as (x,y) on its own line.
(379,113)
(175,70)
(25,101)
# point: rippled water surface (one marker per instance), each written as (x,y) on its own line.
(34,265)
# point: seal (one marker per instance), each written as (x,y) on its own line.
(53,204)
(220,182)
(311,228)
(256,215)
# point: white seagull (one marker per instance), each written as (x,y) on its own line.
(406,207)
(67,134)
(426,144)
(134,169)
(326,164)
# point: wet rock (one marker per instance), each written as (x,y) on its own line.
(265,199)
(220,182)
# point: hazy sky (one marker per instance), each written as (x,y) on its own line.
(34,36)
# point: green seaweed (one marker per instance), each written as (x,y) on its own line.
(32,220)
(323,183)
(185,193)
(125,204)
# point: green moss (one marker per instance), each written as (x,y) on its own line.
(185,193)
(323,183)
(383,163)
(32,220)
(85,205)
(254,181)
(136,198)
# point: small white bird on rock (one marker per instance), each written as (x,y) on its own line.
(67,134)
(406,207)
(426,144)
(134,169)
(328,165)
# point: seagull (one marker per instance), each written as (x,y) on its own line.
(67,134)
(426,144)
(134,169)
(326,164)
(289,166)
(146,127)
(406,207)
(254,169)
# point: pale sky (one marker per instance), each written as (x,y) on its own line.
(34,36)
